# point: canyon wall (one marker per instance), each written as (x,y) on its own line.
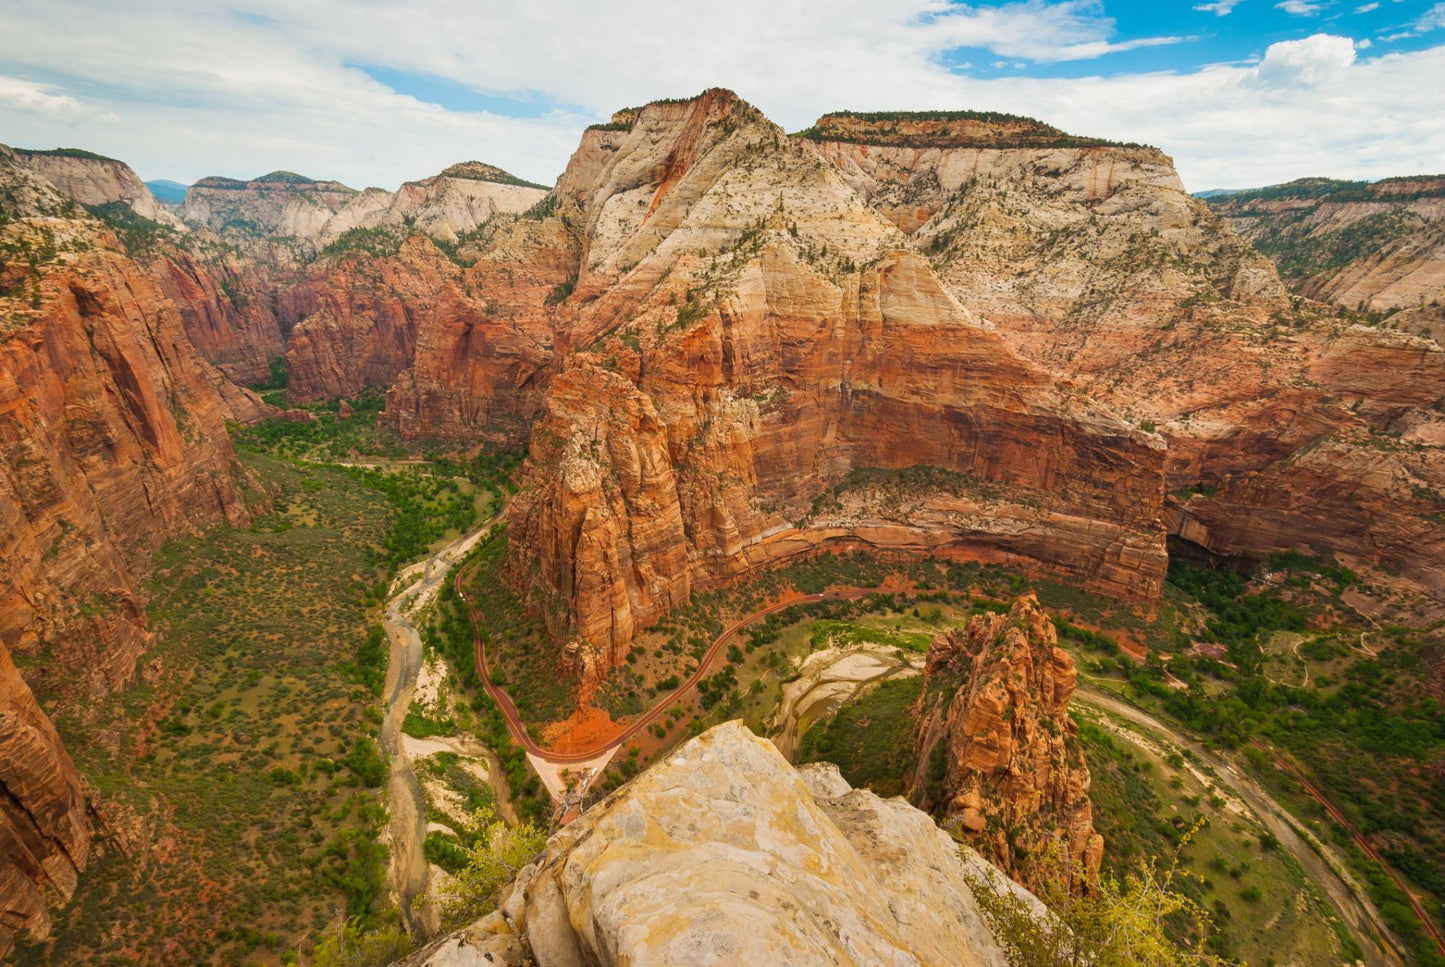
(744,331)
(1282,418)
(1377,245)
(112,437)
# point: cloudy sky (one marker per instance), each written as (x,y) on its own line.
(1240,92)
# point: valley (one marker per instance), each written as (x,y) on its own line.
(365,548)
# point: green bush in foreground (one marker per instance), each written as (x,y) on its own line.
(497,852)
(1141,921)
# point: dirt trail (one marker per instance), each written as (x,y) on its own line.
(1345,893)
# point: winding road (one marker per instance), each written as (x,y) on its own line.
(519,731)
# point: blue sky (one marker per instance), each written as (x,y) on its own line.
(1240,92)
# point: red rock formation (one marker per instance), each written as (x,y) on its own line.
(753,332)
(361,318)
(112,436)
(1095,264)
(226,309)
(1015,784)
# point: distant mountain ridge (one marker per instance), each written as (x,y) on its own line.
(167,191)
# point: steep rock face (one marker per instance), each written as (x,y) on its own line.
(111,437)
(93,180)
(361,318)
(457,201)
(44,833)
(770,333)
(483,372)
(722,853)
(996,695)
(1093,262)
(226,307)
(1379,245)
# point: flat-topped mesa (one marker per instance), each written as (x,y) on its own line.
(1015,786)
(94,180)
(1098,266)
(744,331)
(911,165)
(948,129)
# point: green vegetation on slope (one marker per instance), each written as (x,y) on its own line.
(241,770)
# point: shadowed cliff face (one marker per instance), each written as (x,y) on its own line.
(1015,784)
(111,437)
(1093,263)
(745,330)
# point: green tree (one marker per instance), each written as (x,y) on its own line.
(497,853)
(350,944)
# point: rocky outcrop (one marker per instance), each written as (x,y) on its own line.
(44,832)
(722,853)
(112,436)
(1377,245)
(744,331)
(1015,784)
(94,180)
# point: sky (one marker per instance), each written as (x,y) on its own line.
(1241,93)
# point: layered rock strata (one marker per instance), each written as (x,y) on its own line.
(1377,245)
(1015,785)
(744,330)
(1093,262)
(722,853)
(94,180)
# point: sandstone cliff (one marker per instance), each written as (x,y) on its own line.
(93,180)
(111,436)
(459,200)
(285,218)
(1092,262)
(1378,245)
(743,331)
(995,704)
(723,854)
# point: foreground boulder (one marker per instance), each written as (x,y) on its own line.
(723,853)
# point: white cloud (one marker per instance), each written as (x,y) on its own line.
(46,101)
(1364,44)
(1366,8)
(1311,61)
(1300,8)
(1222,8)
(1433,19)
(202,91)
